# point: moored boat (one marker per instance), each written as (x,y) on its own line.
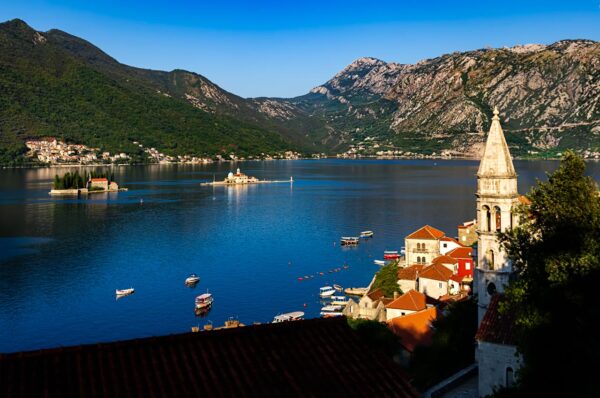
(192,279)
(338,288)
(331,311)
(391,254)
(326,291)
(124,292)
(366,234)
(349,240)
(380,262)
(339,300)
(288,316)
(355,291)
(331,314)
(204,301)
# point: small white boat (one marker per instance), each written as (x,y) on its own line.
(192,279)
(124,292)
(204,301)
(380,262)
(403,250)
(288,316)
(326,291)
(338,288)
(330,314)
(366,234)
(349,240)
(390,255)
(339,300)
(331,308)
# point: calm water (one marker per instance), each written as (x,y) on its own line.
(62,259)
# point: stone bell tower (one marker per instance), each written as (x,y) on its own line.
(496,198)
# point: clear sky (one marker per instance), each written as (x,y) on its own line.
(284,48)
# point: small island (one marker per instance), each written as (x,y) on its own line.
(76,184)
(240,178)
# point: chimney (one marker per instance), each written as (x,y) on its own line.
(396,295)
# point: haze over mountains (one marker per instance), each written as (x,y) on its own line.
(56,84)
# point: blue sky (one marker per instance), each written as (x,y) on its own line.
(283,49)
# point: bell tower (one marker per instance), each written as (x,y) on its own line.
(497,197)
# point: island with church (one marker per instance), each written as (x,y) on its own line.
(75,184)
(239,178)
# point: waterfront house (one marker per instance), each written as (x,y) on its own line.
(448,244)
(370,306)
(409,276)
(434,280)
(408,303)
(423,245)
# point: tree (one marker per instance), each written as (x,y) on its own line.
(387,279)
(556,255)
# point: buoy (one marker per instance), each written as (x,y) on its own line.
(304,305)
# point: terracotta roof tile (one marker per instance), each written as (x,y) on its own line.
(426,232)
(461,252)
(495,327)
(410,273)
(444,260)
(414,329)
(314,357)
(375,294)
(524,200)
(411,301)
(437,272)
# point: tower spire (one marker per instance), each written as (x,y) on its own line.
(496,161)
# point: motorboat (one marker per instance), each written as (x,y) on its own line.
(331,310)
(124,292)
(331,314)
(380,262)
(338,288)
(192,279)
(326,291)
(339,300)
(204,301)
(391,254)
(366,234)
(349,240)
(288,316)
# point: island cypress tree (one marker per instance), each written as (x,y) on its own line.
(555,297)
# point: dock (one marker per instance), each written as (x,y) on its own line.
(356,291)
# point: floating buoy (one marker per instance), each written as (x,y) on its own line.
(300,278)
(304,305)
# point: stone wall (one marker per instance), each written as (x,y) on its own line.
(493,361)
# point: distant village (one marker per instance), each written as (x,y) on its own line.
(50,151)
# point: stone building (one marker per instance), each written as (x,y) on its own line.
(467,233)
(408,303)
(408,277)
(423,245)
(371,306)
(434,281)
(497,197)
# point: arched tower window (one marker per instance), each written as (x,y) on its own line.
(512,215)
(490,259)
(498,214)
(486,218)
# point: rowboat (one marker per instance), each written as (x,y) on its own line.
(192,279)
(338,288)
(349,240)
(366,234)
(391,254)
(356,291)
(204,301)
(124,292)
(326,291)
(288,316)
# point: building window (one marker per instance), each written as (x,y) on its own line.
(510,377)
(467,266)
(490,260)
(440,285)
(487,219)
(445,245)
(498,218)
(491,289)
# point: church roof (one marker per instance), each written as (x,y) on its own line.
(496,327)
(426,232)
(316,357)
(496,160)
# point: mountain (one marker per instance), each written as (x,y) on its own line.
(55,84)
(549,97)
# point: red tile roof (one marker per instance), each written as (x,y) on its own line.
(437,272)
(495,327)
(444,260)
(99,179)
(426,232)
(524,200)
(411,301)
(316,357)
(461,252)
(414,329)
(449,239)
(410,273)
(457,278)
